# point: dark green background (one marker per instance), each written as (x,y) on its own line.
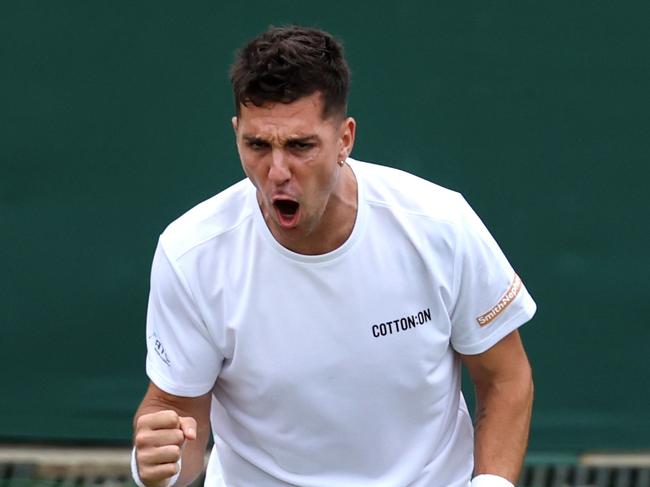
(115,119)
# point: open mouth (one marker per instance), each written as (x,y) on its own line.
(287,211)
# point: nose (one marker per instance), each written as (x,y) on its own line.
(279,171)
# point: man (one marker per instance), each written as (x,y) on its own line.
(317,312)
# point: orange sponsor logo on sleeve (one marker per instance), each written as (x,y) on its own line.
(503,303)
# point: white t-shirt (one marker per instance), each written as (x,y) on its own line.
(336,369)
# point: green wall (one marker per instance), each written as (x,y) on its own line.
(115,119)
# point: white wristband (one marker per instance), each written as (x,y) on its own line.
(136,475)
(489,480)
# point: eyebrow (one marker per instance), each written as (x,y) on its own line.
(252,138)
(306,139)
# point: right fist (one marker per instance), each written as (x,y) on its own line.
(159,440)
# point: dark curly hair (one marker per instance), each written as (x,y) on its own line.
(286,63)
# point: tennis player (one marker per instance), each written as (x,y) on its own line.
(315,316)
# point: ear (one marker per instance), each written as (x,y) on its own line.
(235,122)
(348,131)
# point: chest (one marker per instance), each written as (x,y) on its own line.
(361,323)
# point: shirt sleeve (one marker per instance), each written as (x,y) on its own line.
(491,299)
(182,358)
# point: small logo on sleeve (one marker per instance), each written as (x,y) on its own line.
(159,348)
(503,303)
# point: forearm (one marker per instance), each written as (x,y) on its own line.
(193,460)
(503,416)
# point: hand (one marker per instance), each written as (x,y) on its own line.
(159,440)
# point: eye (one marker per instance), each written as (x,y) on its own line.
(257,145)
(301,145)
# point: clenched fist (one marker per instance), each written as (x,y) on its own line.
(159,441)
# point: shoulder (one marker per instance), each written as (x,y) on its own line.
(401,192)
(209,220)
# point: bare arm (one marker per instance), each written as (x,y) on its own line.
(504,396)
(166,426)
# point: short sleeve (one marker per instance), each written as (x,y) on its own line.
(491,299)
(182,358)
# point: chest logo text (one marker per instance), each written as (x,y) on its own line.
(401,324)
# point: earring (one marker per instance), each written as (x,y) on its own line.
(340,163)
